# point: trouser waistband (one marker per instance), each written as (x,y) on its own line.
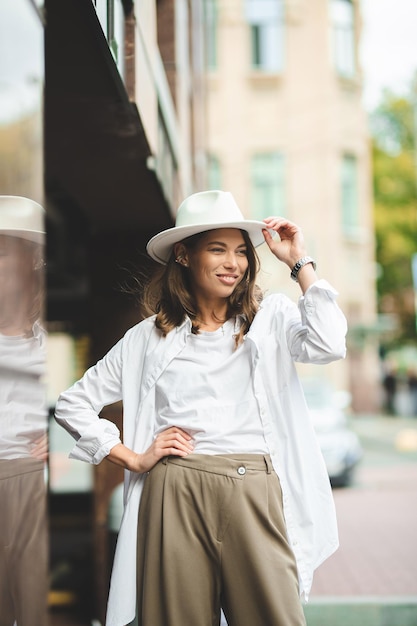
(17,467)
(228,464)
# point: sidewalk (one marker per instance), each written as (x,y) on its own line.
(362,612)
(382,432)
(372,579)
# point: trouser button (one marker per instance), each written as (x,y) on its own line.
(241,470)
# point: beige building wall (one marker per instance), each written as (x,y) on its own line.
(313,117)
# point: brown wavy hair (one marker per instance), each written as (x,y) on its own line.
(169,295)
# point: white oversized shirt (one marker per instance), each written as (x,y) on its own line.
(280,334)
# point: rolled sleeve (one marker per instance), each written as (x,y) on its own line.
(319,288)
(78,408)
(322,335)
(96,442)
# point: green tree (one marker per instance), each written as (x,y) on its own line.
(393,128)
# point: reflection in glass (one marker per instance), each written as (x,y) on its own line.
(21,100)
(23,415)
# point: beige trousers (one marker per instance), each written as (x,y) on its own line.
(211,535)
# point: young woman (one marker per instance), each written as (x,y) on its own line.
(235,507)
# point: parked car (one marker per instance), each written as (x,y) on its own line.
(340,446)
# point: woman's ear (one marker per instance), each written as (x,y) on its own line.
(181,255)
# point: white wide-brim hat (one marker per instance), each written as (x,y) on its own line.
(206,210)
(22,217)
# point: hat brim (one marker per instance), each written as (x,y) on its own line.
(160,246)
(36,236)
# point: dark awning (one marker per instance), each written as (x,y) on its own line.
(95,145)
(103,203)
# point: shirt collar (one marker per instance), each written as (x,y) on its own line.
(186,326)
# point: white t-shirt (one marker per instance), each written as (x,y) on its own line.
(207,390)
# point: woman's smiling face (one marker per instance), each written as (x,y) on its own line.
(217,263)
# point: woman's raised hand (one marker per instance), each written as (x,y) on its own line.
(290,245)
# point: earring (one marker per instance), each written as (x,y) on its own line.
(179,259)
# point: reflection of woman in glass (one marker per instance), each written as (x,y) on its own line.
(236,509)
(23,417)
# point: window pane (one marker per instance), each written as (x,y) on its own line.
(211,16)
(256,43)
(272,47)
(101,8)
(343,23)
(267,185)
(342,12)
(213,173)
(349,192)
(265,18)
(258,11)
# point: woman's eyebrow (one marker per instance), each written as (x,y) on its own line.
(222,243)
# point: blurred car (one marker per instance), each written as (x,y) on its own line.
(340,446)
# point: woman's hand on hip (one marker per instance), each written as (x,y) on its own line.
(170,442)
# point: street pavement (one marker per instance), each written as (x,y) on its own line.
(372,579)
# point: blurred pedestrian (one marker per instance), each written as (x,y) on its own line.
(412,388)
(390,388)
(23,416)
(236,509)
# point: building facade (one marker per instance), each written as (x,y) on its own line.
(287,133)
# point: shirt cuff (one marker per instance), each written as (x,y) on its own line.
(96,442)
(320,285)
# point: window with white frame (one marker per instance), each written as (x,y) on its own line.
(266,22)
(349,194)
(343,26)
(267,185)
(211,21)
